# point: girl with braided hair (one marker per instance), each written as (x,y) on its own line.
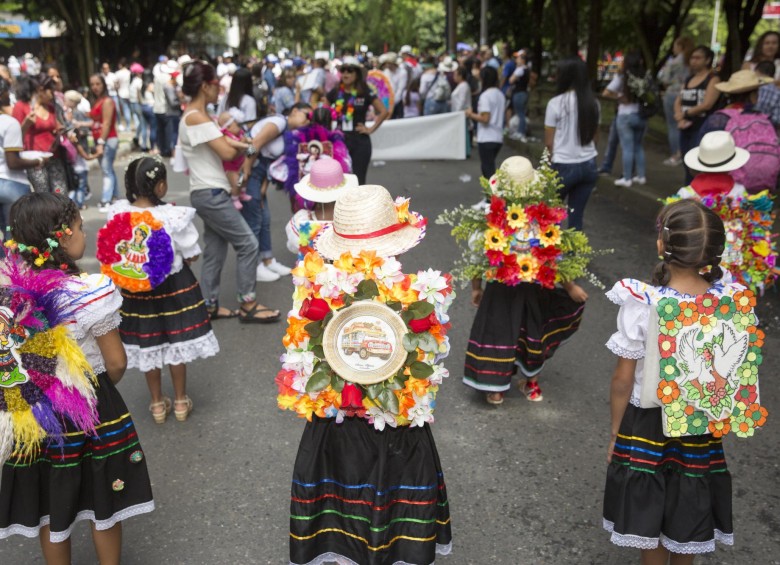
(164,316)
(668,495)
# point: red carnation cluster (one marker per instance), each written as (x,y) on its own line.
(497,215)
(544,215)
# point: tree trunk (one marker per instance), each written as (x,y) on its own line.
(566,27)
(742,16)
(537,19)
(594,40)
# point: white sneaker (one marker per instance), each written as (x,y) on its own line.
(639,180)
(264,274)
(481,205)
(623,182)
(278,268)
(515,136)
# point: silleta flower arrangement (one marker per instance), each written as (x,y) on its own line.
(419,302)
(135,251)
(520,239)
(751,252)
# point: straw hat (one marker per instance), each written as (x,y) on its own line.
(742,81)
(716,153)
(388,57)
(326,182)
(365,218)
(447,65)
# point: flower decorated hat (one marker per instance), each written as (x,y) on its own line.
(326,182)
(366,218)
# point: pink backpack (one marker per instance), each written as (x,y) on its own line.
(754,132)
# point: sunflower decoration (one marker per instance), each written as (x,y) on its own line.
(521,234)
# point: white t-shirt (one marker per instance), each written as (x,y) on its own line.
(135,89)
(616,86)
(247,105)
(274,148)
(10,140)
(562,115)
(110,79)
(460,99)
(493,101)
(205,165)
(123,83)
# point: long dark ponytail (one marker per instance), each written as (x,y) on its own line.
(573,75)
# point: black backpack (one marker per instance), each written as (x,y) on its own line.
(646,93)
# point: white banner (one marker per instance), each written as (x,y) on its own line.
(439,137)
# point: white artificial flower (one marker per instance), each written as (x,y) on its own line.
(299,360)
(389,273)
(335,282)
(439,374)
(429,285)
(421,412)
(380,418)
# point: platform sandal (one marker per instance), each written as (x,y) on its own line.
(165,404)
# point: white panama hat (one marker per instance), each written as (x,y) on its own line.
(717,153)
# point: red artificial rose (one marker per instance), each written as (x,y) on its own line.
(497,214)
(544,215)
(315,309)
(495,258)
(351,397)
(545,254)
(508,272)
(423,324)
(546,276)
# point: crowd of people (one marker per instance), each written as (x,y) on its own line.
(238,127)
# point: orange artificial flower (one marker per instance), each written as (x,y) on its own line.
(296,331)
(345,263)
(402,208)
(305,407)
(416,386)
(325,399)
(310,266)
(367,260)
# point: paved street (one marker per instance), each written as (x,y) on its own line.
(525,480)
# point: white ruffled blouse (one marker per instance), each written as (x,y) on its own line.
(96,312)
(177,222)
(636,300)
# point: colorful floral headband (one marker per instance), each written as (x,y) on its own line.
(41,256)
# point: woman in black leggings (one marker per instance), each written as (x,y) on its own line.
(351,100)
(490,123)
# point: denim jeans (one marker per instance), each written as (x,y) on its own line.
(631,129)
(431,107)
(141,128)
(256,211)
(80,193)
(612,147)
(10,192)
(163,143)
(110,184)
(127,112)
(151,127)
(519,103)
(223,225)
(579,180)
(672,133)
(172,124)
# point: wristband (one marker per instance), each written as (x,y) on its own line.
(251,150)
(101,141)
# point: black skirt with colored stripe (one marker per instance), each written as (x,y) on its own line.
(367,497)
(102,478)
(517,326)
(673,491)
(168,325)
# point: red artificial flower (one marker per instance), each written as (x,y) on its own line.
(314,309)
(497,214)
(495,258)
(58,234)
(545,254)
(351,397)
(284,381)
(423,324)
(509,271)
(545,215)
(546,276)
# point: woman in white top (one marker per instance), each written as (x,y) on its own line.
(570,127)
(240,96)
(460,100)
(490,123)
(204,148)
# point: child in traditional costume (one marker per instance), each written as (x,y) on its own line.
(164,318)
(322,186)
(363,366)
(750,255)
(68,447)
(688,350)
(531,303)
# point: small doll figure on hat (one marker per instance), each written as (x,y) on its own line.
(531,303)
(750,255)
(230,125)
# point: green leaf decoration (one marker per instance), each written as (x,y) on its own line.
(366,289)
(316,340)
(394,384)
(395,305)
(373,390)
(388,401)
(428,343)
(421,370)
(313,328)
(318,351)
(407,316)
(348,300)
(410,341)
(410,358)
(421,309)
(336,382)
(319,379)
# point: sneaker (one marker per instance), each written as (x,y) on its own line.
(623,182)
(481,205)
(639,180)
(531,139)
(278,268)
(515,136)
(103,207)
(672,161)
(264,274)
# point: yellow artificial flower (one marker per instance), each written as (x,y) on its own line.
(551,236)
(39,261)
(345,262)
(528,267)
(286,401)
(367,260)
(309,267)
(495,240)
(762,248)
(402,208)
(304,406)
(516,217)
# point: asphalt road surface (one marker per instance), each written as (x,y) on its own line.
(525,479)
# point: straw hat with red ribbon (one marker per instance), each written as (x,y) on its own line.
(365,218)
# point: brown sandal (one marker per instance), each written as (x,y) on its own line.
(494,398)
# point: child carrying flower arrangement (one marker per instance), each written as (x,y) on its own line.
(363,365)
(146,247)
(531,303)
(750,254)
